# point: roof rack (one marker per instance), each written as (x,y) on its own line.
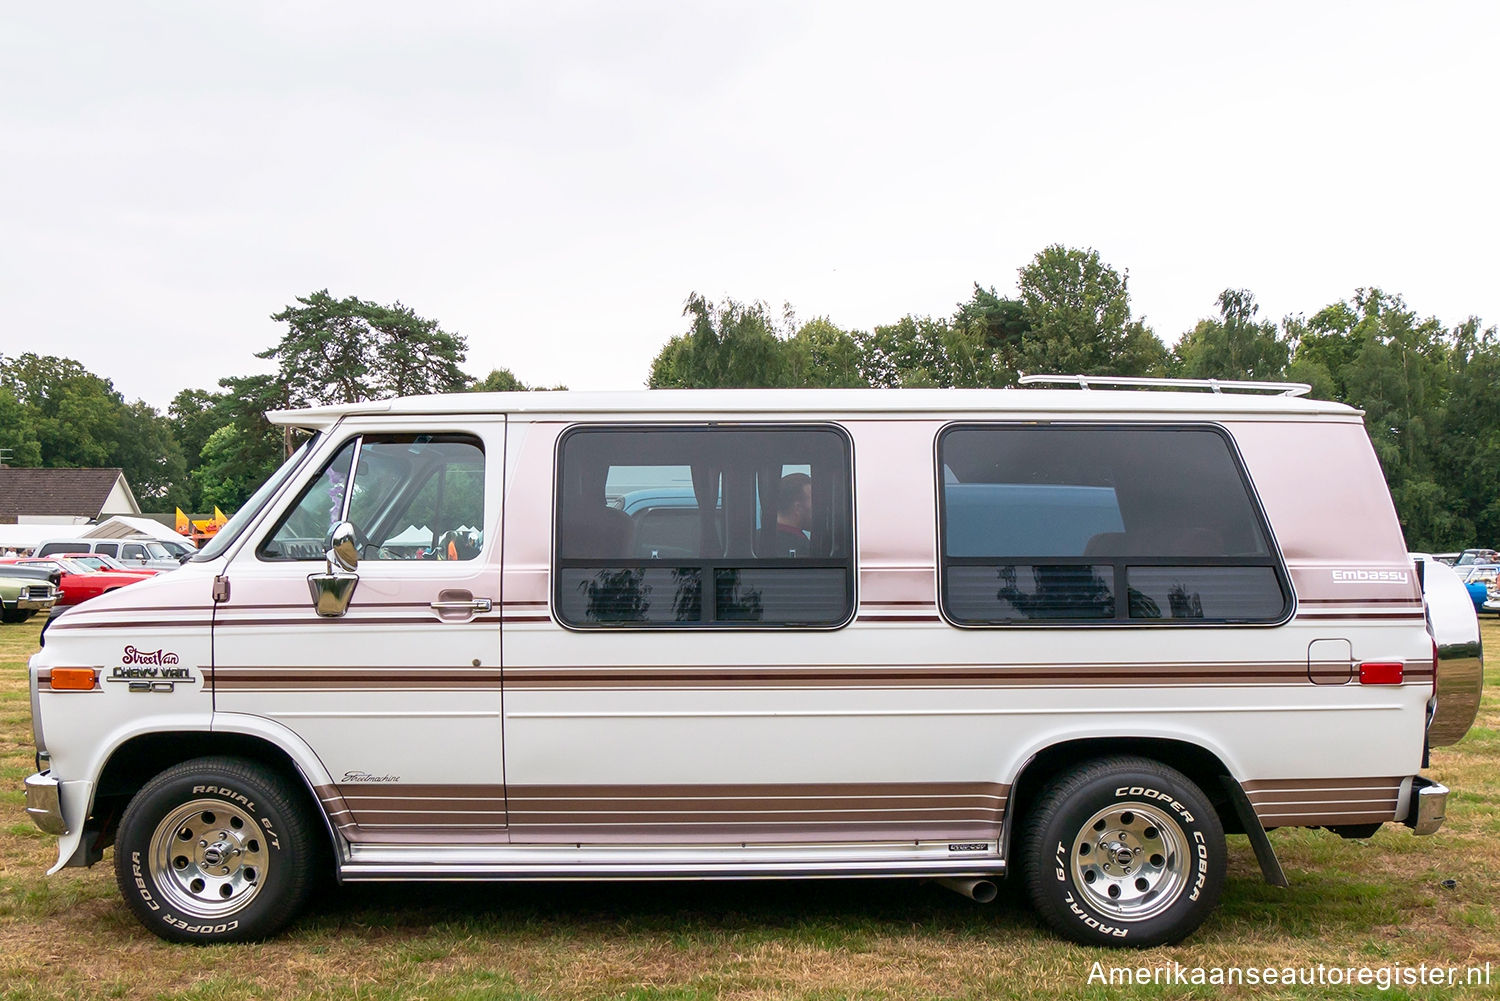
(1133,382)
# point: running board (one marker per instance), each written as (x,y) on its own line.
(427,862)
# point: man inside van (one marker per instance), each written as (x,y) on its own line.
(794,515)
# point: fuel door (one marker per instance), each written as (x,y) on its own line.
(1330,662)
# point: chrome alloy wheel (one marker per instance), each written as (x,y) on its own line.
(208,858)
(1131,861)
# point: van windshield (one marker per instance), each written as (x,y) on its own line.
(248,510)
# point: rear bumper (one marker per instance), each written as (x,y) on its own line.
(44,803)
(1429,806)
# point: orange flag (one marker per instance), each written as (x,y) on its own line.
(183,526)
(219,517)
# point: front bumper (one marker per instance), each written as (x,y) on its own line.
(44,803)
(1429,806)
(25,604)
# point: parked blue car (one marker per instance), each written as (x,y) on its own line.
(1479,579)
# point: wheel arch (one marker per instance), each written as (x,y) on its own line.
(1203,766)
(138,759)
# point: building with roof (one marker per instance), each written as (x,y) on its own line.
(37,496)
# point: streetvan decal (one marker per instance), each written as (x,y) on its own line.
(158,657)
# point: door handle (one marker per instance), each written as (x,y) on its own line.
(473,605)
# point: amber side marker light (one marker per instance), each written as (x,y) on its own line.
(1381,672)
(74,679)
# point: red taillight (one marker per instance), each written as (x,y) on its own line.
(1380,672)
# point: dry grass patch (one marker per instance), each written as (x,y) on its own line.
(1370,903)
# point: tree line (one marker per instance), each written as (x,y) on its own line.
(1431,393)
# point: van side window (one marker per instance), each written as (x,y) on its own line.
(107,548)
(1107,525)
(410,497)
(729,527)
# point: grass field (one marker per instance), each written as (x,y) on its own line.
(1369,904)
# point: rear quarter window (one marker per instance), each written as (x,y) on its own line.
(1105,525)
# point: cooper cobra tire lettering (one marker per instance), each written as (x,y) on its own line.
(216,849)
(1123,851)
(140,881)
(218,929)
(1156,794)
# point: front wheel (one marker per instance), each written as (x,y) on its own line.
(215,850)
(1124,851)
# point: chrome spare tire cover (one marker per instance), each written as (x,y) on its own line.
(1460,659)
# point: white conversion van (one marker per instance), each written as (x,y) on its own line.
(138,551)
(1070,635)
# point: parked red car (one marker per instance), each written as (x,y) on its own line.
(76,581)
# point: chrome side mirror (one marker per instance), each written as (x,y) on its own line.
(343,550)
(332,589)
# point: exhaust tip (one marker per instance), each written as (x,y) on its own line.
(981,890)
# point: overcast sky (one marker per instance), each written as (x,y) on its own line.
(553,180)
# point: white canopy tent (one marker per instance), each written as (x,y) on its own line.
(28,537)
(124,527)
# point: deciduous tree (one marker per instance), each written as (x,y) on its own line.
(503,380)
(732,344)
(822,355)
(17,435)
(1233,346)
(1078,319)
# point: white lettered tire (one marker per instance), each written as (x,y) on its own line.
(1124,852)
(215,850)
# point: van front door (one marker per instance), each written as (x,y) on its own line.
(398,696)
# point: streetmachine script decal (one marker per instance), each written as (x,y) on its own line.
(158,657)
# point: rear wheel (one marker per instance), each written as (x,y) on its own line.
(215,850)
(1124,851)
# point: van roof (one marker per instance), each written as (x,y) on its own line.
(825,402)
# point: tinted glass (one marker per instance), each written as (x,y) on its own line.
(410,497)
(1204,592)
(704,527)
(1058,522)
(1015,592)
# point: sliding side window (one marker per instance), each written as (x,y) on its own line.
(1087,525)
(728,527)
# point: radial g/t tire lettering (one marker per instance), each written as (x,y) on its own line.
(215,850)
(1123,851)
